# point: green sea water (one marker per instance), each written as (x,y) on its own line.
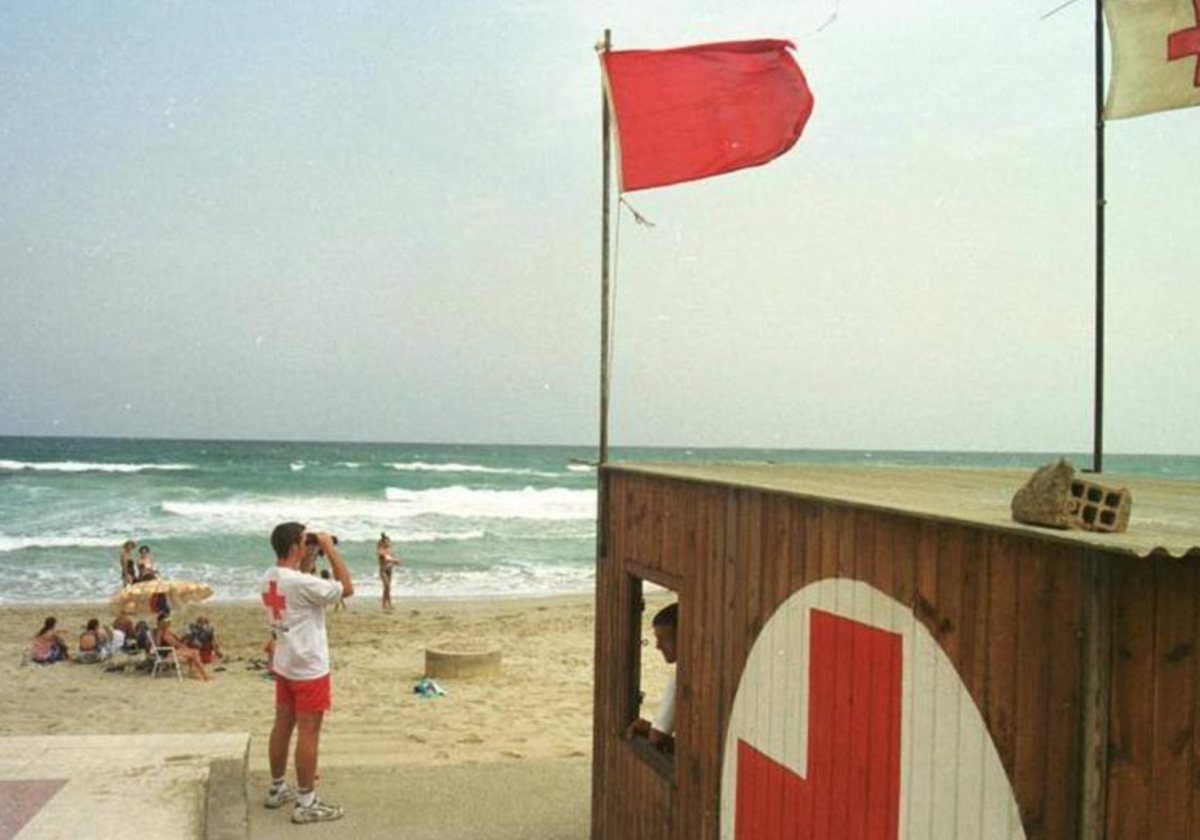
(468,520)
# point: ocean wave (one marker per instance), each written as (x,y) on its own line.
(555,503)
(58,585)
(87,466)
(422,466)
(581,468)
(9,544)
(437,536)
(362,519)
(298,465)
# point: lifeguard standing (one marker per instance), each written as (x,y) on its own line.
(295,603)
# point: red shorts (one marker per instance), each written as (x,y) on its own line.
(303,697)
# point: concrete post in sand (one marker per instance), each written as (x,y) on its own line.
(447,663)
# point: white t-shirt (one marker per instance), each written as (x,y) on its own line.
(664,720)
(295,605)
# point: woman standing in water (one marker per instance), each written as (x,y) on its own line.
(383,553)
(128,569)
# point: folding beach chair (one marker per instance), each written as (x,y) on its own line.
(164,657)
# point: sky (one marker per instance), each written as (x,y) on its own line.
(381,221)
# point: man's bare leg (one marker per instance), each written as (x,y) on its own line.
(308,743)
(281,738)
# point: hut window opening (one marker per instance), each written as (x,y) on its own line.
(653,706)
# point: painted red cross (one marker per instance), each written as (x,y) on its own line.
(274,601)
(1186,42)
(853,784)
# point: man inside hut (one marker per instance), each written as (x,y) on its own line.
(661,731)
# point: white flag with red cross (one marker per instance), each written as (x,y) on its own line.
(1156,56)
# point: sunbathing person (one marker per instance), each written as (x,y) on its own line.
(143,639)
(202,636)
(48,646)
(124,624)
(163,638)
(94,642)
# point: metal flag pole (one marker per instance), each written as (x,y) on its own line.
(605,269)
(1098,419)
(606,122)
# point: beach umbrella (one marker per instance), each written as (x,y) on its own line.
(152,596)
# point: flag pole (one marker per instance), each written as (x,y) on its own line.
(605,269)
(1098,419)
(606,121)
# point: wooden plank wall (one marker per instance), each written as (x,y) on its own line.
(630,799)
(1007,610)
(1154,722)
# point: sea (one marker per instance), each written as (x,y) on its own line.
(469,521)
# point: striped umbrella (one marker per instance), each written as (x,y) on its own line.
(152,596)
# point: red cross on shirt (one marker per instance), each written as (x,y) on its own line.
(274,601)
(1186,42)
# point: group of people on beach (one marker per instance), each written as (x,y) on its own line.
(100,643)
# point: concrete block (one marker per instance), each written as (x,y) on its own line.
(1055,497)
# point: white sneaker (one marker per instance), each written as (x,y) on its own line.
(317,812)
(278,797)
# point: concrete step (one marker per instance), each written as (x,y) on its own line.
(169,787)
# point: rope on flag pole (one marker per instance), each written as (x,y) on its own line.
(637,217)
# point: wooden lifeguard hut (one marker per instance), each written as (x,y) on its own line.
(883,654)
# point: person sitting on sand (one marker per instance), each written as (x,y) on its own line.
(125,624)
(202,636)
(94,642)
(145,565)
(128,567)
(383,553)
(48,646)
(661,731)
(163,637)
(143,639)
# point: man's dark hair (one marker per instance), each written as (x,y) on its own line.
(93,624)
(284,537)
(668,616)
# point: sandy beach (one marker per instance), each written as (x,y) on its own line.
(539,708)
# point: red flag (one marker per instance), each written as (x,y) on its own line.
(694,112)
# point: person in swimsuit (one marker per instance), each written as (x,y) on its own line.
(383,553)
(145,564)
(48,646)
(163,637)
(94,642)
(128,567)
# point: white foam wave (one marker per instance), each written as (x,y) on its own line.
(361,519)
(422,466)
(353,465)
(555,503)
(581,468)
(9,544)
(437,536)
(87,466)
(298,465)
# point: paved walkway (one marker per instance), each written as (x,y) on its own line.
(545,800)
(166,787)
